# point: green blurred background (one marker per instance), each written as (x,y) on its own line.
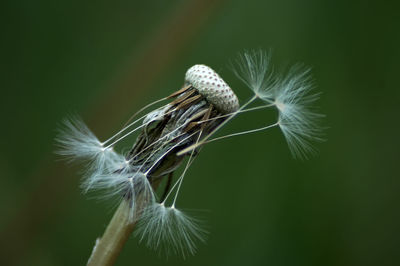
(106,59)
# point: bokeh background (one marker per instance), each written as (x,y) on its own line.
(105,59)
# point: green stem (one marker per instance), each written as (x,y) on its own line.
(118,231)
(109,246)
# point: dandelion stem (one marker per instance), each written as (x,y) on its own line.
(109,246)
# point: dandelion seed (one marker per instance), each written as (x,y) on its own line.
(170,230)
(297,120)
(292,96)
(254,69)
(77,142)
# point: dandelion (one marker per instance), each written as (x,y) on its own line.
(176,131)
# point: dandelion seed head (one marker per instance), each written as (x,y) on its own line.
(213,87)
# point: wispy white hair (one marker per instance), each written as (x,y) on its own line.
(254,69)
(76,142)
(134,187)
(298,120)
(169,229)
(291,94)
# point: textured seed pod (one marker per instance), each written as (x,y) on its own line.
(213,87)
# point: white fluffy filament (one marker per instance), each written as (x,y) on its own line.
(291,94)
(169,229)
